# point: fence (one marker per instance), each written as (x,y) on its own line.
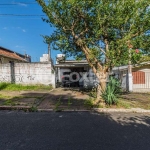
(141,80)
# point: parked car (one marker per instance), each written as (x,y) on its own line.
(65,79)
(91,82)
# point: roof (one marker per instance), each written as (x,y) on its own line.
(72,63)
(133,66)
(10,54)
(120,68)
(81,63)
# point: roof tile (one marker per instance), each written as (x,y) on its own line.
(12,55)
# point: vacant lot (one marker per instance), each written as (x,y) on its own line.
(62,99)
(57,99)
(133,100)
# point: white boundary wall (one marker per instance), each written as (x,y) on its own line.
(27,73)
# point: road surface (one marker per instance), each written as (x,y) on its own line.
(74,131)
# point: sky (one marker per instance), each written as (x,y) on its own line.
(21,27)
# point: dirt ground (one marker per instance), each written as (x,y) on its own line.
(60,99)
(57,99)
(140,100)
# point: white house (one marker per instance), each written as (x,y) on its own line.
(137,81)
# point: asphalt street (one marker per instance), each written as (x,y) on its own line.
(74,131)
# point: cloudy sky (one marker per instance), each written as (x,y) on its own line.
(21,28)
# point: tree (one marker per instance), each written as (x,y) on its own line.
(102,31)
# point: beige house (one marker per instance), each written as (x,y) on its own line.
(7,56)
(140,77)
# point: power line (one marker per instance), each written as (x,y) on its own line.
(20,15)
(19,3)
(25,18)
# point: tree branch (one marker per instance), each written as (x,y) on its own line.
(99,48)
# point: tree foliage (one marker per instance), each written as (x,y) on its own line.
(102,31)
(97,23)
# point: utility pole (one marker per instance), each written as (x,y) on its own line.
(129,63)
(130,78)
(49,52)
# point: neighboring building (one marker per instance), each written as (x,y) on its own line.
(64,66)
(7,56)
(45,58)
(140,77)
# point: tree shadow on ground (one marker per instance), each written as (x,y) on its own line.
(124,130)
(75,130)
(57,99)
(63,100)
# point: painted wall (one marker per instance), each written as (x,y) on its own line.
(27,73)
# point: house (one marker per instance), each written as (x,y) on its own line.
(7,56)
(65,67)
(140,76)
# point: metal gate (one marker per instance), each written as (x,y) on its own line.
(141,80)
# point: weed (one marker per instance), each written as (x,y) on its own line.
(58,104)
(33,109)
(89,103)
(9,102)
(100,106)
(69,101)
(93,93)
(4,96)
(3,85)
(123,104)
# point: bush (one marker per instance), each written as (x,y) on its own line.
(113,89)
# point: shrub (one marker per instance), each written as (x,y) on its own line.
(113,88)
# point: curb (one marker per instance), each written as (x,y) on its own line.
(15,107)
(131,110)
(100,110)
(66,110)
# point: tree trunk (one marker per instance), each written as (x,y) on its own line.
(101,87)
(49,53)
(99,70)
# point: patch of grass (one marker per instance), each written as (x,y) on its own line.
(101,106)
(69,101)
(33,109)
(92,93)
(58,104)
(20,87)
(9,102)
(89,103)
(3,85)
(4,97)
(123,104)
